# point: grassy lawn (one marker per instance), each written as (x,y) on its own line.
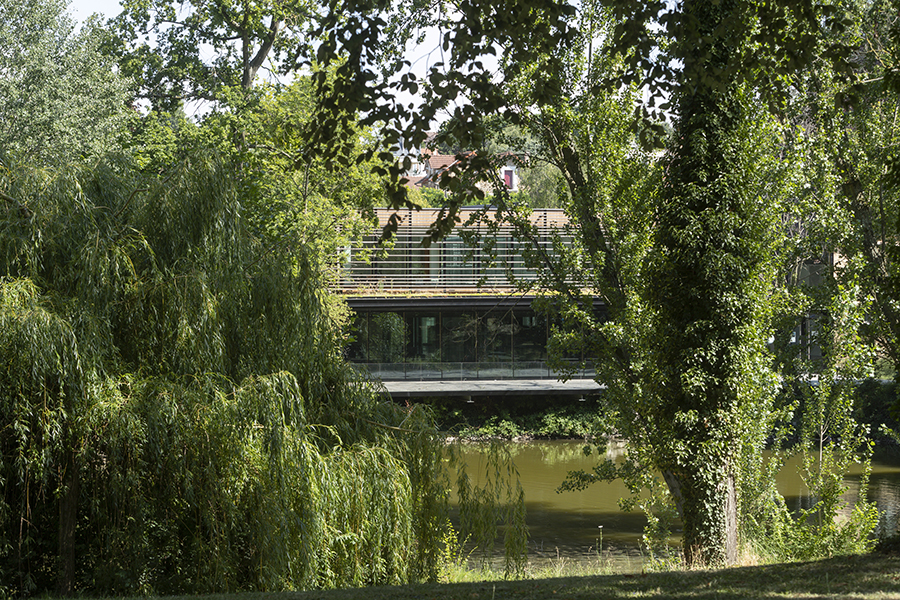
(868,576)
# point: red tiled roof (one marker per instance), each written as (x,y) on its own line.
(440,161)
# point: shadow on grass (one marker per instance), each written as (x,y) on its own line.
(874,576)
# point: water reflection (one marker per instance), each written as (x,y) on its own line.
(884,489)
(571,524)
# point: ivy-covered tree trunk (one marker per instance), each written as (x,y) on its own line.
(709,513)
(701,309)
(709,251)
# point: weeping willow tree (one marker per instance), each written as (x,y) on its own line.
(175,415)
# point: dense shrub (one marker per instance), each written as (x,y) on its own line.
(551,417)
(174,412)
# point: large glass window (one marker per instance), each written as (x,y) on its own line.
(424,337)
(495,337)
(530,336)
(358,350)
(459,336)
(386,337)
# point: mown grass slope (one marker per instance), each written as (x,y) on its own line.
(869,577)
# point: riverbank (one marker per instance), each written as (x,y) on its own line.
(868,577)
(554,417)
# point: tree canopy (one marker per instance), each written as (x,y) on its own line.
(179,52)
(175,412)
(61,98)
(858,131)
(175,404)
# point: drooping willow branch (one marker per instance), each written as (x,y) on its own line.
(23,209)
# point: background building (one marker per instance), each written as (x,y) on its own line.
(450,311)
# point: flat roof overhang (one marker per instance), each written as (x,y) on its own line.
(420,302)
(488,387)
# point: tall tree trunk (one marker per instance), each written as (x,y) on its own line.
(698,294)
(706,255)
(709,516)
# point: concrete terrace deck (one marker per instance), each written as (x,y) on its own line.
(491,387)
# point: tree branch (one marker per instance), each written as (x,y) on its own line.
(23,209)
(256,62)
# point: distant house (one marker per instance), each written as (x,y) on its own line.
(426,169)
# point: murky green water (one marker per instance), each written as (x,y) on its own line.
(574,524)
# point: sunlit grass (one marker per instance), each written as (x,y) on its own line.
(561,565)
(865,577)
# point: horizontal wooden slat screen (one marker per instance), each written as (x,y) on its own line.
(450,265)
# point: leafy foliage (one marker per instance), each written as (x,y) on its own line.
(175,407)
(689,264)
(61,99)
(859,142)
(496,496)
(242,37)
(290,197)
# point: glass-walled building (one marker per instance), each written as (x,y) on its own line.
(454,338)
(450,310)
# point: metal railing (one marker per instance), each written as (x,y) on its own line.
(466,371)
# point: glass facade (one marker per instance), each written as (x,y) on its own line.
(453,343)
(450,309)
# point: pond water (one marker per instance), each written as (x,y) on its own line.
(572,525)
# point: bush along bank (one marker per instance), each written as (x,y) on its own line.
(875,406)
(574,417)
(518,417)
(878,405)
